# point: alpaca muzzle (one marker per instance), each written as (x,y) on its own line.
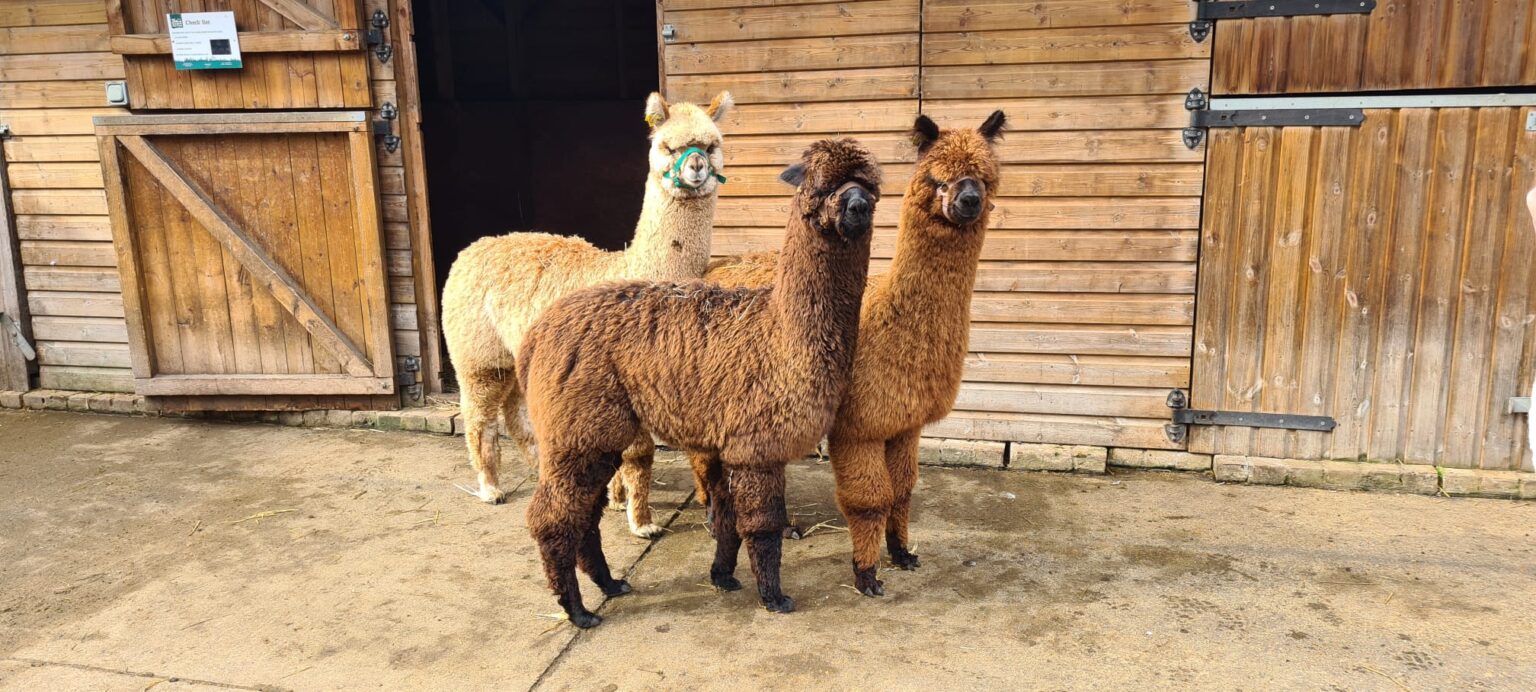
(964,201)
(692,169)
(858,210)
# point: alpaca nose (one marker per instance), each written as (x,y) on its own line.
(858,206)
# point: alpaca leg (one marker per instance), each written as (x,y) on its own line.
(901,464)
(591,559)
(557,517)
(483,393)
(722,525)
(757,496)
(864,496)
(635,478)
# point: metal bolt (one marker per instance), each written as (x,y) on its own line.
(347,36)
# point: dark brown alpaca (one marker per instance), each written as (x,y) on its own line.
(912,339)
(752,376)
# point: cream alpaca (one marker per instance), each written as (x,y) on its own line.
(498,286)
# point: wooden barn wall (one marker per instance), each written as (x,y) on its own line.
(1402,44)
(1084,305)
(54,62)
(1381,275)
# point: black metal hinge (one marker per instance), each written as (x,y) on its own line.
(375,36)
(1201,119)
(1183,417)
(385,128)
(1243,9)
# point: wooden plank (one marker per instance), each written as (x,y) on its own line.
(82,354)
(64,228)
(1106,431)
(820,118)
(1048,245)
(796,21)
(1488,207)
(1287,236)
(164,314)
(1119,146)
(82,38)
(1093,308)
(61,94)
(233,185)
(1441,285)
(782,150)
(1064,79)
(93,329)
(300,13)
(250,42)
(370,251)
(319,275)
(88,279)
(1083,277)
(1053,45)
(74,304)
(52,13)
(1033,180)
(833,52)
(1038,368)
(1242,382)
(1509,362)
(65,121)
(227,384)
(45,67)
(67,253)
(983,15)
(1101,340)
(255,260)
(414,158)
(59,202)
(83,379)
(1103,213)
(51,148)
(1137,112)
(867,84)
(1325,284)
(1399,314)
(15,374)
(54,175)
(1009,397)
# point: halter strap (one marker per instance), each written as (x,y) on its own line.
(675,173)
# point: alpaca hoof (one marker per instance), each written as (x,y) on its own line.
(648,531)
(782,604)
(793,533)
(864,580)
(585,620)
(491,495)
(903,559)
(616,588)
(726,582)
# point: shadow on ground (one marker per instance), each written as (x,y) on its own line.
(134,550)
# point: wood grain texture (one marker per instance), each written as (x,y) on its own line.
(1402,44)
(1381,276)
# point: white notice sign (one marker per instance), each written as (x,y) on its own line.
(204,40)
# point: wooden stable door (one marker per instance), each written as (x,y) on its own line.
(249,248)
(1381,275)
(295,54)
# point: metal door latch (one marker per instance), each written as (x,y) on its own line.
(668,33)
(384,128)
(1183,417)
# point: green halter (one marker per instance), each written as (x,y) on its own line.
(675,175)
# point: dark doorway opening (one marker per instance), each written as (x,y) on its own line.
(533,117)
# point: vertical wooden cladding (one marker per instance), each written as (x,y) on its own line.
(1379,275)
(1403,44)
(296,54)
(1085,296)
(250,255)
(54,61)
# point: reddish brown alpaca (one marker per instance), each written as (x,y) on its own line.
(753,376)
(912,339)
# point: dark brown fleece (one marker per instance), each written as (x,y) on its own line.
(753,376)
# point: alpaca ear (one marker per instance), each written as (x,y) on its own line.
(655,110)
(722,104)
(924,133)
(992,129)
(794,175)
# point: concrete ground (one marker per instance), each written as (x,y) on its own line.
(183,555)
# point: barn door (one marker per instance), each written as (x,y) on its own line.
(1379,276)
(295,54)
(1313,46)
(249,251)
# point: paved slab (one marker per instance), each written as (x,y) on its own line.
(136,550)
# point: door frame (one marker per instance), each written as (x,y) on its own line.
(15,373)
(370,365)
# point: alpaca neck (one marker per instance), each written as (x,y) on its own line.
(672,237)
(818,289)
(933,272)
